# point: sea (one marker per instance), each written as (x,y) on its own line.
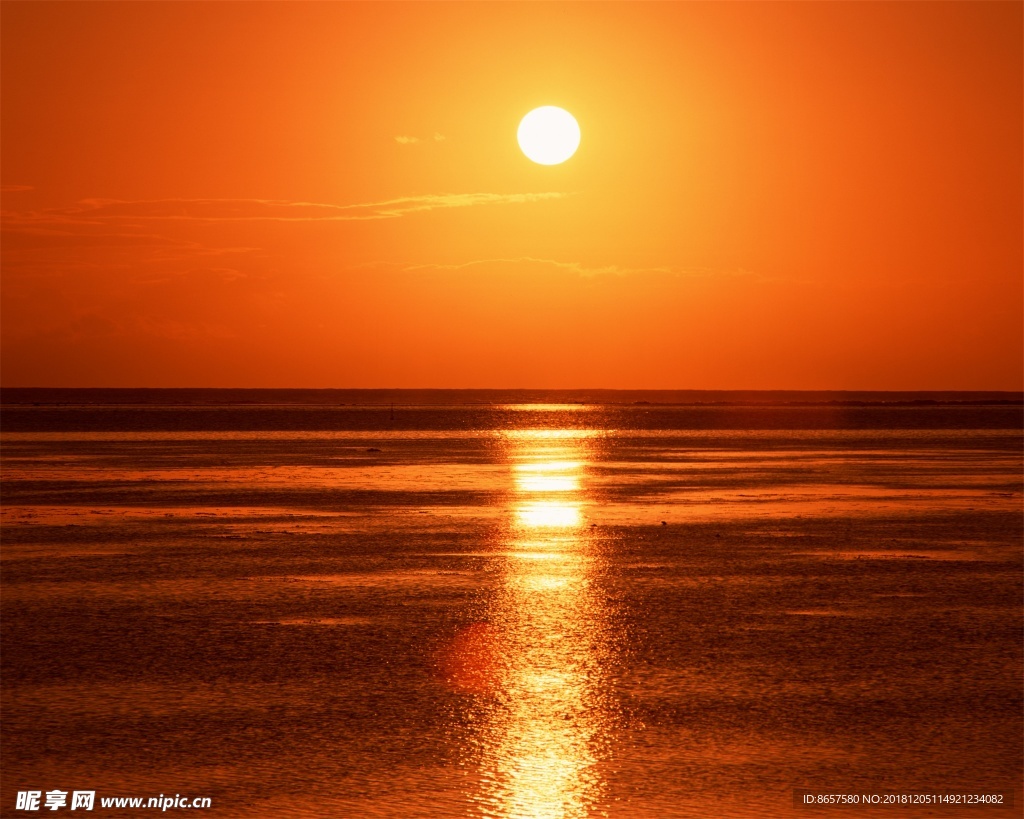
(550,604)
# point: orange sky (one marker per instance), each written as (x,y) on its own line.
(801,196)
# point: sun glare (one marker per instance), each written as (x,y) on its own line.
(549,135)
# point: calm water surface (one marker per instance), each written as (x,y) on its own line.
(512,611)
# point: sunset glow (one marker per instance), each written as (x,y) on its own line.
(512,410)
(333,195)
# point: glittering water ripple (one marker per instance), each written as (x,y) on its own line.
(546,715)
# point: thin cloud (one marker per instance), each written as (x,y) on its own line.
(105,211)
(406,139)
(15,188)
(602,270)
(414,204)
(573,267)
(33,238)
(30,237)
(584,270)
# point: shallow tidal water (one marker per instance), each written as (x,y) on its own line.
(554,610)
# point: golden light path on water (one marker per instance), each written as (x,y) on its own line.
(543,728)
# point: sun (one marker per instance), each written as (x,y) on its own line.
(549,135)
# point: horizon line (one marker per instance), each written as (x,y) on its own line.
(529,389)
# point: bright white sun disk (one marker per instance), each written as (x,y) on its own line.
(549,135)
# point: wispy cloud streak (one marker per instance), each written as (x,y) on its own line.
(100,211)
(572,267)
(588,271)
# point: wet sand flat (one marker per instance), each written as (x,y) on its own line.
(512,610)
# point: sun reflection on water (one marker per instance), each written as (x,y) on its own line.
(544,720)
(549,514)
